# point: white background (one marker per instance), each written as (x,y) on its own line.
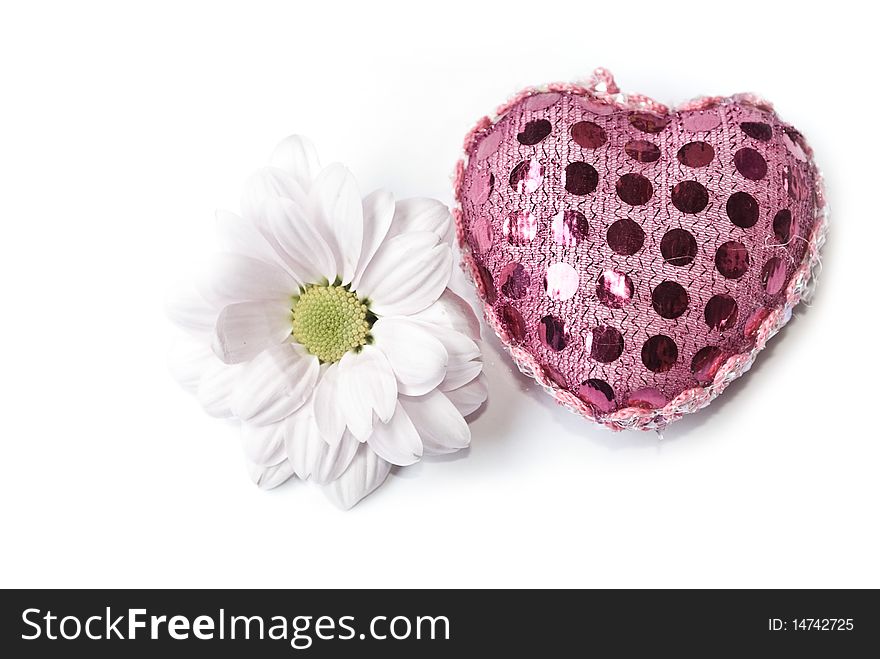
(124,125)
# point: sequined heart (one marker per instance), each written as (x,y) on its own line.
(635,259)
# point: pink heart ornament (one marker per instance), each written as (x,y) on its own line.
(635,259)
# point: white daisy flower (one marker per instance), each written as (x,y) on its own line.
(327,328)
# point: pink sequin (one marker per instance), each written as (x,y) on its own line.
(701,122)
(520,227)
(597,393)
(642,150)
(614,289)
(514,281)
(773,275)
(527,176)
(750,164)
(706,363)
(540,101)
(482,185)
(589,135)
(649,398)
(696,154)
(561,282)
(569,227)
(513,322)
(482,234)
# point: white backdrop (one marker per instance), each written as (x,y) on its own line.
(124,125)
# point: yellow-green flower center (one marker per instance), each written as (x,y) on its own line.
(330,320)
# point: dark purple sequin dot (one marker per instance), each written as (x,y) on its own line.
(757,130)
(614,289)
(606,344)
(625,237)
(647,122)
(742,209)
(515,280)
(783,227)
(773,275)
(486,284)
(669,299)
(721,312)
(678,247)
(534,132)
(581,178)
(634,189)
(588,135)
(750,164)
(732,259)
(513,322)
(696,154)
(659,353)
(690,197)
(597,393)
(551,332)
(642,151)
(706,363)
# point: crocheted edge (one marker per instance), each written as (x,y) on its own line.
(603,90)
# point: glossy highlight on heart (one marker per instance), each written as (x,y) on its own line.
(635,259)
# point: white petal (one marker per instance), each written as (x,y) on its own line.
(334,461)
(398,440)
(417,358)
(451,311)
(296,155)
(274,384)
(408,273)
(310,455)
(328,410)
(468,398)
(366,383)
(378,212)
(439,424)
(299,241)
(302,440)
(268,183)
(215,388)
(188,359)
(459,374)
(459,347)
(365,473)
(245,329)
(268,477)
(464,355)
(336,198)
(422,214)
(190,311)
(240,236)
(235,278)
(264,445)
